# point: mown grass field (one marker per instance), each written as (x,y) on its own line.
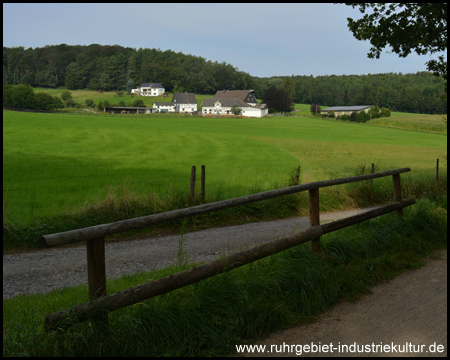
(54,164)
(61,165)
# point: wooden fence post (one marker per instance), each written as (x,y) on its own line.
(437,171)
(397,193)
(372,170)
(297,176)
(192,185)
(314,216)
(202,190)
(97,276)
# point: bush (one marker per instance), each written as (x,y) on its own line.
(106,103)
(66,95)
(89,102)
(70,103)
(331,113)
(44,101)
(374,112)
(100,106)
(353,116)
(57,103)
(385,112)
(138,103)
(362,117)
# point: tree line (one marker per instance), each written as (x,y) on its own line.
(113,67)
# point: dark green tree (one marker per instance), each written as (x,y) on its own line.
(44,101)
(406,28)
(277,100)
(23,97)
(66,95)
(138,103)
(130,85)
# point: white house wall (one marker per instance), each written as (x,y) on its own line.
(186,107)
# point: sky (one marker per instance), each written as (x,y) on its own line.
(262,40)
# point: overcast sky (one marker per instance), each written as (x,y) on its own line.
(261,39)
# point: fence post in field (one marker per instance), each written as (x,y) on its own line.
(202,189)
(372,170)
(97,276)
(297,176)
(192,185)
(437,171)
(397,193)
(314,216)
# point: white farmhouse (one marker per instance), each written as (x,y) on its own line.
(149,89)
(184,102)
(223,102)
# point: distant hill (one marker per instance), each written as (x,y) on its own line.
(111,67)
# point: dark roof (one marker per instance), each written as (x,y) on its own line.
(184,98)
(348,108)
(225,102)
(228,94)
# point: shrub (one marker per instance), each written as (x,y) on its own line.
(385,112)
(138,103)
(69,102)
(374,112)
(353,116)
(66,95)
(362,117)
(100,106)
(331,113)
(89,102)
(44,101)
(343,117)
(57,103)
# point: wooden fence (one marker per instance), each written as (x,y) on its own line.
(100,304)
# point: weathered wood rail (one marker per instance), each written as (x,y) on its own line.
(101,304)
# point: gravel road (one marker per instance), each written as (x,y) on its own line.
(44,270)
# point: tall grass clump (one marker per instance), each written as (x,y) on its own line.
(209,318)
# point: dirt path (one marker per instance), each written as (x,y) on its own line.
(44,270)
(406,312)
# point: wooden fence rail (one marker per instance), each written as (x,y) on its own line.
(100,303)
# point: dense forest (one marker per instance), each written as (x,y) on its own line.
(105,67)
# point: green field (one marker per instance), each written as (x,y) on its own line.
(55,164)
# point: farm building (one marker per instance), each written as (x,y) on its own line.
(127,110)
(163,107)
(223,101)
(346,110)
(149,89)
(184,102)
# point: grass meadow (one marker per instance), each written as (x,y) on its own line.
(60,165)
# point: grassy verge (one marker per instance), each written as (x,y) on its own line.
(237,307)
